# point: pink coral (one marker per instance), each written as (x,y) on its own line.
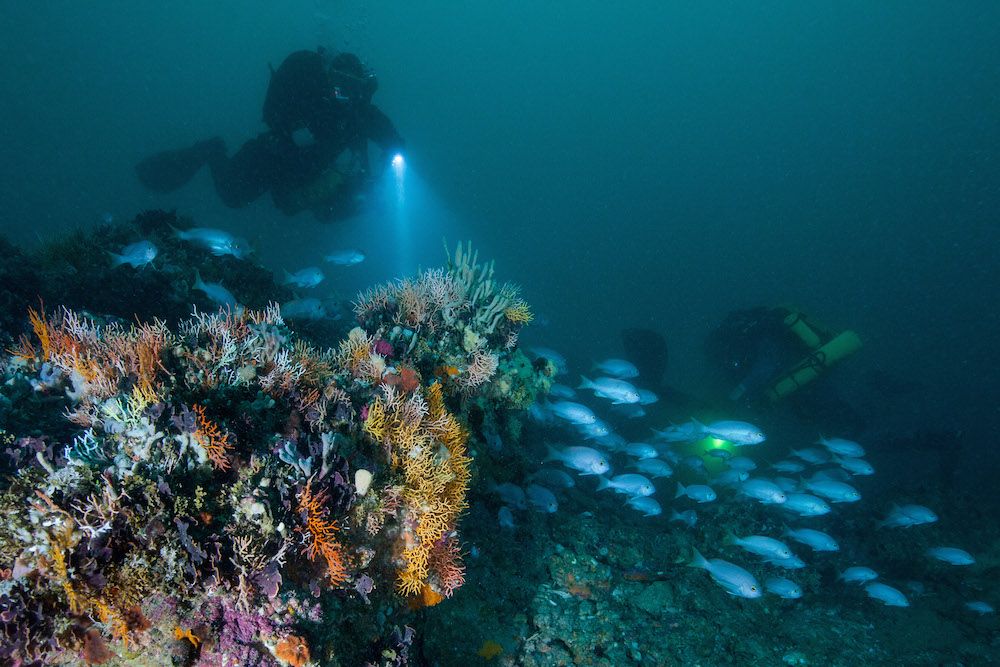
(446,563)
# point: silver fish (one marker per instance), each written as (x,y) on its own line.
(980,607)
(786,484)
(805,504)
(136,255)
(694,464)
(788,467)
(647,397)
(737,432)
(561,391)
(630,484)
(858,574)
(348,257)
(511,494)
(640,450)
(733,578)
(308,308)
(904,516)
(216,241)
(574,413)
(842,447)
(743,463)
(811,455)
(763,491)
(305,278)
(783,588)
(835,492)
(731,477)
(613,389)
(951,555)
(541,498)
(554,477)
(629,410)
(761,545)
(505,517)
(816,540)
(855,466)
(619,368)
(595,430)
(214,291)
(793,562)
(585,460)
(886,594)
(686,432)
(688,517)
(653,467)
(648,506)
(697,492)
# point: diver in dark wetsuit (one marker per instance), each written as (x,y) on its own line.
(314,155)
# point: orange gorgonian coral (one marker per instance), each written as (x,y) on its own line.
(320,533)
(212,439)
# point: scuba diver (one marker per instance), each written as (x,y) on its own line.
(771,353)
(314,155)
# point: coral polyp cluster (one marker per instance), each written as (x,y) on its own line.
(222,492)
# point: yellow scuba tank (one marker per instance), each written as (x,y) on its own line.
(796,322)
(822,357)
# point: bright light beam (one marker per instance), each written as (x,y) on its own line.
(402,232)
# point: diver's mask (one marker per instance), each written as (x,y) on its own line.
(352,85)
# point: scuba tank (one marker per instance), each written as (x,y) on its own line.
(822,355)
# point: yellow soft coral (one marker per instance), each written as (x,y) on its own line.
(428,446)
(519,312)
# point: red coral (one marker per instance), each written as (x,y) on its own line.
(406,378)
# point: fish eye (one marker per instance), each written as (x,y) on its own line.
(753,589)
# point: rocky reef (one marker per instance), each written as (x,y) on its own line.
(221,490)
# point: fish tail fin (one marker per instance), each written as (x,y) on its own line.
(680,490)
(179,233)
(699,427)
(603,483)
(697,560)
(551,454)
(116,259)
(287,277)
(585,383)
(730,538)
(821,441)
(199,284)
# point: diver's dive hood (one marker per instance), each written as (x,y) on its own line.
(350,80)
